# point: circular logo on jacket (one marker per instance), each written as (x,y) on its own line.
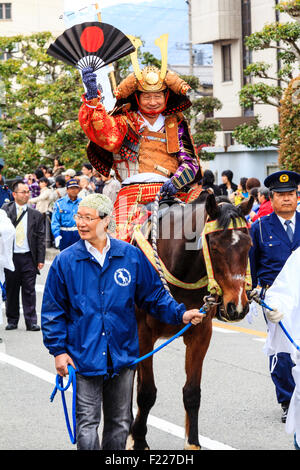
(122,277)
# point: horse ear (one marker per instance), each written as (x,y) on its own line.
(212,207)
(246,206)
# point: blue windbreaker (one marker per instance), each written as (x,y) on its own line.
(88,308)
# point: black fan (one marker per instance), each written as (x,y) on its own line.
(91,44)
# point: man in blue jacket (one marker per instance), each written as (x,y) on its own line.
(275,237)
(88,321)
(63,225)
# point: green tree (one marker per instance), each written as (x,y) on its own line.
(39,105)
(204,126)
(284,38)
(289,150)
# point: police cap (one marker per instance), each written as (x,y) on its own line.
(72,183)
(283,181)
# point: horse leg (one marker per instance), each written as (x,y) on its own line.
(196,348)
(146,397)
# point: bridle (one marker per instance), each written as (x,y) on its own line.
(212,226)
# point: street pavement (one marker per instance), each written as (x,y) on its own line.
(238,411)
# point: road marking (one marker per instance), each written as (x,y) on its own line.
(158,423)
(178,431)
(261,334)
(27,367)
(223,330)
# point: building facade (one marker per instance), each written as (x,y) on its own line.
(225,24)
(31,16)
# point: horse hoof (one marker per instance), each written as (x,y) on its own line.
(188,446)
(131,444)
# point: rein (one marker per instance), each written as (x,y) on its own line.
(145,246)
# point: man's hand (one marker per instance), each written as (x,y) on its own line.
(61,363)
(89,78)
(40,266)
(57,240)
(169,188)
(274,315)
(193,316)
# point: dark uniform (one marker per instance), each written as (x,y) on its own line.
(271,249)
(5,195)
(62,222)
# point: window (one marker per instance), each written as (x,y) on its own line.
(5,55)
(246,31)
(247,53)
(272,168)
(5,11)
(226,59)
(228,139)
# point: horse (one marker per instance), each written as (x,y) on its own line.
(228,250)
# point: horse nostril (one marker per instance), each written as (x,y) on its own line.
(246,309)
(231,308)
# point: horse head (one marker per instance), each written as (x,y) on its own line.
(228,247)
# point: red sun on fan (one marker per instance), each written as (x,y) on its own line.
(92,38)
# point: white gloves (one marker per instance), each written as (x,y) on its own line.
(274,315)
(57,240)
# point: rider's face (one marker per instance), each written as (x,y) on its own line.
(152,102)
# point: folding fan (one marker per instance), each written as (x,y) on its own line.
(91,44)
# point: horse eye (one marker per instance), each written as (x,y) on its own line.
(215,247)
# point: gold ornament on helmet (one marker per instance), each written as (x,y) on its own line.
(151,78)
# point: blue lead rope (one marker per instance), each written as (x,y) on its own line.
(72,380)
(140,359)
(60,386)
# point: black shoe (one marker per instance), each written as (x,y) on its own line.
(11,326)
(285,408)
(33,328)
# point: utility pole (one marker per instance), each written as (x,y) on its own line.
(111,74)
(191,55)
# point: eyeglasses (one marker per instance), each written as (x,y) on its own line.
(22,192)
(148,97)
(87,218)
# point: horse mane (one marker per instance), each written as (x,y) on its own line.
(229,213)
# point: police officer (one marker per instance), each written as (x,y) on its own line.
(274,237)
(5,195)
(63,224)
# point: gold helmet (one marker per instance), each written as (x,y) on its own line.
(153,79)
